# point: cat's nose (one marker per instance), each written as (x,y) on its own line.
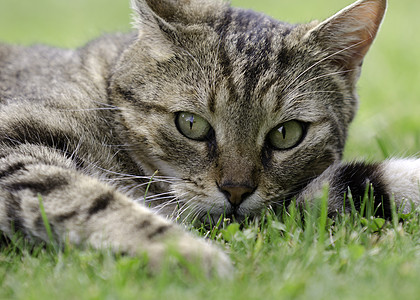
(236,194)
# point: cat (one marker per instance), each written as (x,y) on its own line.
(204,111)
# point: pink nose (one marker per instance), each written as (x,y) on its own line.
(236,194)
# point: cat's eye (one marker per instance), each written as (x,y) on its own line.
(192,126)
(286,135)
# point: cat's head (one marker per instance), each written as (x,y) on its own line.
(241,109)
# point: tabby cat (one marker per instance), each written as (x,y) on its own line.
(205,110)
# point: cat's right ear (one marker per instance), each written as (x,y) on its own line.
(158,21)
(153,30)
(185,12)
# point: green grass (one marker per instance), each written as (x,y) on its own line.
(277,258)
(280,258)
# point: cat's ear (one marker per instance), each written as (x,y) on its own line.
(178,11)
(347,36)
(158,21)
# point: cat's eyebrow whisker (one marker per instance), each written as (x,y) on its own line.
(316,78)
(320,61)
(105,104)
(214,75)
(311,93)
(198,64)
(89,109)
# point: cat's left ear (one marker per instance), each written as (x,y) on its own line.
(347,36)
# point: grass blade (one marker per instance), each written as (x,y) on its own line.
(45,220)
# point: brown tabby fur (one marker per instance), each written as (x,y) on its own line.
(86,129)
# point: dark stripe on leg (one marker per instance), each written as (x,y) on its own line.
(101,203)
(44,186)
(158,231)
(11,169)
(64,217)
(144,224)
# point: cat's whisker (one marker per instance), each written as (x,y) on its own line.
(193,209)
(147,179)
(124,176)
(159,195)
(148,201)
(163,197)
(159,208)
(177,198)
(200,213)
(186,206)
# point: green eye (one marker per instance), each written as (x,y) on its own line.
(286,135)
(192,126)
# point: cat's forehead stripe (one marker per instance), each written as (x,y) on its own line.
(247,54)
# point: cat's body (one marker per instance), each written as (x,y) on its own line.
(236,111)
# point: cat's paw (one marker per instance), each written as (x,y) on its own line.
(209,257)
(192,253)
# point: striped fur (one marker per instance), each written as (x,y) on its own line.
(87,129)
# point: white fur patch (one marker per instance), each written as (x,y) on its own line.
(402,177)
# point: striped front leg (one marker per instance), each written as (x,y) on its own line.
(86,211)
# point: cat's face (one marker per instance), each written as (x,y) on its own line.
(241,110)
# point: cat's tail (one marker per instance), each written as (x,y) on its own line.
(350,185)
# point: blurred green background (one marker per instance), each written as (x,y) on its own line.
(388,122)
